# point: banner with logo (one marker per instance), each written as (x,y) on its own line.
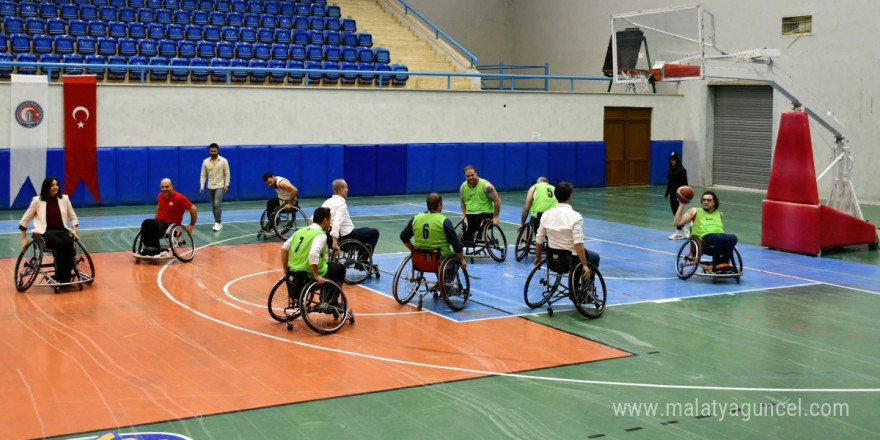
(80,134)
(29,133)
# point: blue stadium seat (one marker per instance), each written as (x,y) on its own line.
(117,72)
(239,75)
(8,9)
(175,31)
(268,20)
(118,3)
(179,74)
(332,24)
(107,13)
(266,35)
(182,16)
(190,5)
(349,39)
(4,46)
(127,46)
(349,78)
(199,75)
(383,79)
(186,49)
(364,39)
(317,23)
(239,6)
(218,75)
(28,9)
(251,19)
(277,77)
(247,34)
(35,26)
(158,74)
(26,58)
(206,5)
(207,49)
(301,22)
(52,72)
(280,51)
(317,2)
(13,25)
(288,8)
(244,50)
(155,4)
(156,31)
(295,77)
(285,22)
(332,37)
(282,36)
(19,43)
(316,37)
(164,16)
(218,18)
(223,5)
(167,48)
(381,55)
(200,17)
(365,55)
(48,10)
(258,76)
(330,78)
(193,32)
(170,4)
(315,73)
(86,45)
(349,54)
(299,36)
(117,29)
(302,9)
(69,11)
(318,10)
(106,46)
(137,30)
(127,14)
(88,12)
(235,19)
(72,58)
(262,51)
(147,47)
(43,44)
(64,44)
(97,71)
(297,52)
(230,33)
(137,3)
(334,11)
(212,33)
(349,25)
(365,78)
(225,50)
(315,52)
(400,76)
(255,6)
(146,15)
(97,28)
(272,7)
(332,53)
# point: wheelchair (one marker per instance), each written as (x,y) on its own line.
(525,241)
(36,261)
(323,307)
(453,283)
(560,276)
(176,240)
(357,259)
(489,241)
(690,258)
(282,223)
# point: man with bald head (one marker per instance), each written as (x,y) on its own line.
(432,230)
(169,210)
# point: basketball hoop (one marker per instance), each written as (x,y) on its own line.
(637,81)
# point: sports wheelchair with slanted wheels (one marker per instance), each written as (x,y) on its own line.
(525,241)
(282,222)
(560,276)
(690,258)
(357,259)
(323,307)
(176,242)
(36,261)
(489,241)
(453,283)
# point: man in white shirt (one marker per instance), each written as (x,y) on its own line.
(215,170)
(342,227)
(564,229)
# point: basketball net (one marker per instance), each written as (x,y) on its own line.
(636,81)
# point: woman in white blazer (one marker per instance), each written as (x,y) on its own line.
(50,211)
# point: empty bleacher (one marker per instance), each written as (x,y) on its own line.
(252,35)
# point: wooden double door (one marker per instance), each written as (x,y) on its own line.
(627,146)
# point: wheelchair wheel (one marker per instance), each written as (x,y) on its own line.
(356,258)
(181,243)
(540,286)
(406,281)
(495,242)
(324,307)
(688,259)
(283,307)
(82,263)
(523,242)
(287,221)
(27,267)
(737,263)
(137,245)
(588,296)
(455,285)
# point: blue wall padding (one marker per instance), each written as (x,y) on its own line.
(4,183)
(447,177)
(562,162)
(391,169)
(106,178)
(25,194)
(493,166)
(190,169)
(54,167)
(536,161)
(590,164)
(360,169)
(284,160)
(469,154)
(515,174)
(335,167)
(419,165)
(163,162)
(253,161)
(314,175)
(660,151)
(132,183)
(230,153)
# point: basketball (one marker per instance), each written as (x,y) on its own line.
(684,194)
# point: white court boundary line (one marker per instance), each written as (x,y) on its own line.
(495,373)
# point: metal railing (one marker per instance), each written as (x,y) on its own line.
(437,32)
(500,67)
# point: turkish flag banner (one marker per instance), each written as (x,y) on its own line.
(80,134)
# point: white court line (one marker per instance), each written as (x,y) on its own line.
(497,373)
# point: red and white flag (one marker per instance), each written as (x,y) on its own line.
(80,134)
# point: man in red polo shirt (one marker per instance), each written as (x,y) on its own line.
(170,209)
